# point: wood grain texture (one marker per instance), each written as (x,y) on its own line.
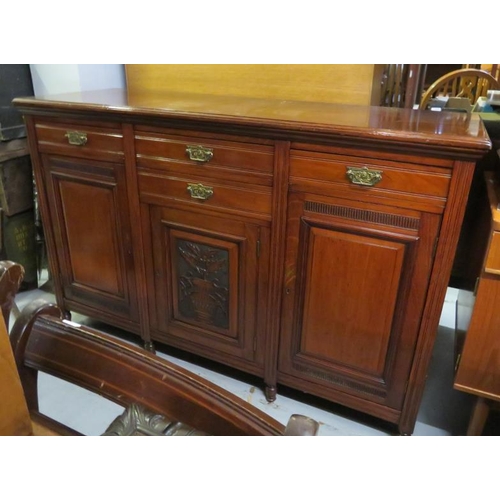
(342,83)
(445,251)
(14,417)
(359,265)
(43,201)
(126,374)
(136,232)
(102,143)
(479,369)
(229,155)
(298,236)
(233,339)
(276,286)
(244,198)
(89,214)
(354,293)
(479,365)
(396,129)
(395,176)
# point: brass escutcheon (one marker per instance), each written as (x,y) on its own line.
(76,138)
(364,176)
(199,153)
(200,192)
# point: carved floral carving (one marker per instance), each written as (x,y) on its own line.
(203,283)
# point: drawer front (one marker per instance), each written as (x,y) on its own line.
(154,187)
(80,139)
(210,156)
(359,176)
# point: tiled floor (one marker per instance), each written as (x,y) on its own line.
(444,411)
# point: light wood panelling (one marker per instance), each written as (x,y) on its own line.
(336,83)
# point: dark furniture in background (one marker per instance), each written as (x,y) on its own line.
(15,81)
(18,219)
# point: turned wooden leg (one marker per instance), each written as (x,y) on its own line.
(271,392)
(478,417)
(149,346)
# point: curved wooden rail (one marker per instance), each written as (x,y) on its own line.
(11,277)
(470,83)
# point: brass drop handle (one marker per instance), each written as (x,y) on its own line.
(200,192)
(364,176)
(76,138)
(200,154)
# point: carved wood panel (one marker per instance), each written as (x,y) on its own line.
(205,281)
(205,284)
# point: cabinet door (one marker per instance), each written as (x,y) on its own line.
(208,275)
(90,219)
(355,283)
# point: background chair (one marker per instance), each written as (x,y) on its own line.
(467,83)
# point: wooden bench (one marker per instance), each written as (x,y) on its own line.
(158,396)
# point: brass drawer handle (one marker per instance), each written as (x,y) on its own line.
(364,176)
(199,153)
(76,138)
(200,192)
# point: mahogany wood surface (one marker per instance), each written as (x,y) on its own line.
(90,215)
(403,129)
(126,374)
(289,267)
(478,371)
(356,281)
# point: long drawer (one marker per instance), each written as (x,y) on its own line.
(360,177)
(80,139)
(154,187)
(207,156)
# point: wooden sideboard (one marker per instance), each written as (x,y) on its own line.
(309,244)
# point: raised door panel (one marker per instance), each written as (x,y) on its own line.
(89,212)
(357,267)
(83,253)
(206,275)
(355,282)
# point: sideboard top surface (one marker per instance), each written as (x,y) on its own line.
(452,132)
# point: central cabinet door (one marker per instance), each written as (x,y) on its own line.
(355,282)
(208,273)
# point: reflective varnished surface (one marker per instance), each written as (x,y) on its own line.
(449,130)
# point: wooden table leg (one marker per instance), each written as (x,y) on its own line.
(478,417)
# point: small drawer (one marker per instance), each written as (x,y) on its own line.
(215,157)
(492,264)
(366,174)
(155,187)
(80,139)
